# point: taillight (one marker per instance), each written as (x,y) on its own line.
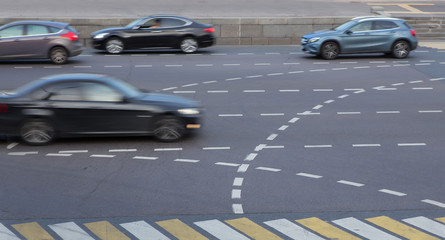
(3,108)
(71,36)
(210,30)
(413,32)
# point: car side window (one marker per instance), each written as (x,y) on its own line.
(172,22)
(97,92)
(14,31)
(33,29)
(381,25)
(64,92)
(152,23)
(361,27)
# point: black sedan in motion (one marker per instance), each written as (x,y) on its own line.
(69,105)
(156,32)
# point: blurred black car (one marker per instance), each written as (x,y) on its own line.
(93,105)
(39,39)
(156,32)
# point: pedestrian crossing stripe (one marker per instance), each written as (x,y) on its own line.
(400,228)
(326,229)
(375,228)
(32,231)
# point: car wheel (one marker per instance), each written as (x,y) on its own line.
(330,50)
(400,49)
(114,46)
(37,132)
(169,129)
(189,45)
(58,55)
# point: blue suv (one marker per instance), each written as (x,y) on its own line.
(391,36)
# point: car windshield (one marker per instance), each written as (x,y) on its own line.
(345,26)
(128,89)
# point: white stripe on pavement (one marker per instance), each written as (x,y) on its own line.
(363,229)
(6,234)
(143,231)
(220,230)
(70,231)
(427,225)
(292,230)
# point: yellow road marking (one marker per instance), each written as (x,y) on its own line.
(106,231)
(326,229)
(252,229)
(32,231)
(409,7)
(180,230)
(438,45)
(441,219)
(400,228)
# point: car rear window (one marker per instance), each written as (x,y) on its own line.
(407,25)
(71,29)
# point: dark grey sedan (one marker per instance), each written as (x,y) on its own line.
(39,39)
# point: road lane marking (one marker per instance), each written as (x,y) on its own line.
(12,145)
(348,113)
(271,114)
(180,230)
(6,234)
(411,144)
(186,160)
(325,229)
(318,146)
(227,164)
(294,120)
(432,202)
(351,183)
(73,151)
(271,137)
(218,91)
(254,91)
(308,175)
(427,224)
(123,150)
(70,231)
(32,231)
(252,229)
(59,154)
(366,145)
(238,182)
(167,149)
(220,230)
(231,115)
(143,231)
(236,193)
(216,148)
(22,153)
(233,79)
(365,230)
(430,111)
(388,112)
(190,85)
(395,193)
(251,157)
(102,156)
(145,158)
(243,168)
(237,208)
(292,230)
(289,90)
(400,228)
(268,169)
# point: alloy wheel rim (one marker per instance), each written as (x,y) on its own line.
(114,46)
(189,45)
(401,50)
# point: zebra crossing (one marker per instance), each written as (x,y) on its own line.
(241,228)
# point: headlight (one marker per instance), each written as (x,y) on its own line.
(189,111)
(100,35)
(313,39)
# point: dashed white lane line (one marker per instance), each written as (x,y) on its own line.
(22,153)
(317,107)
(236,193)
(113,66)
(355,184)
(282,128)
(190,85)
(318,146)
(145,158)
(294,120)
(122,150)
(227,164)
(102,156)
(143,66)
(423,88)
(289,90)
(218,91)
(83,66)
(271,114)
(329,101)
(323,90)
(272,137)
(367,145)
(254,91)
(430,111)
(167,149)
(251,157)
(186,160)
(237,208)
(59,155)
(12,145)
(243,168)
(411,144)
(174,65)
(343,96)
(216,148)
(212,81)
(231,115)
(238,182)
(254,76)
(308,175)
(388,112)
(348,113)
(268,169)
(73,151)
(395,193)
(233,79)
(184,92)
(436,203)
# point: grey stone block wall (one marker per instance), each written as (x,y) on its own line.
(229,31)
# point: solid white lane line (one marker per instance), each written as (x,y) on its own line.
(236,193)
(251,157)
(309,175)
(231,115)
(59,155)
(411,144)
(102,156)
(292,230)
(220,230)
(238,182)
(186,160)
(70,231)
(123,150)
(216,148)
(268,169)
(237,208)
(395,193)
(427,224)
(367,145)
(351,183)
(365,230)
(243,168)
(272,137)
(145,158)
(167,149)
(143,231)
(6,234)
(432,202)
(227,164)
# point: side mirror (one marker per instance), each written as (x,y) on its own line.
(348,31)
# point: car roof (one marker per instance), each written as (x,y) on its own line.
(66,77)
(167,15)
(365,18)
(49,23)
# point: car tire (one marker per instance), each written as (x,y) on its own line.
(58,55)
(188,45)
(37,132)
(114,46)
(329,50)
(400,49)
(169,129)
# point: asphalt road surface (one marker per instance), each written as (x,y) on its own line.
(357,142)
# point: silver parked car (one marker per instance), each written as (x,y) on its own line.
(39,39)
